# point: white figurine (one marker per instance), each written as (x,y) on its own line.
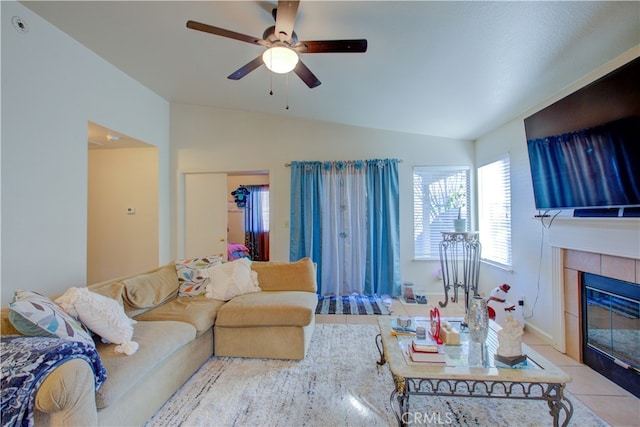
(498,306)
(510,338)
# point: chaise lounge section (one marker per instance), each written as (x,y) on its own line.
(275,323)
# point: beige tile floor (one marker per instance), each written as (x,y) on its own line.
(612,403)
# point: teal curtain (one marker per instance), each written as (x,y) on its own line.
(383,235)
(304,222)
(382,241)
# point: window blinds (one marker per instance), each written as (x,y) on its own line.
(494,211)
(439,194)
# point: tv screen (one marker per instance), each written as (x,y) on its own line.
(594,167)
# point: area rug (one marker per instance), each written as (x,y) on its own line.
(351,304)
(337,384)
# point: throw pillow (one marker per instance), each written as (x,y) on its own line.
(231,279)
(36,315)
(193,283)
(102,315)
(254,279)
(150,289)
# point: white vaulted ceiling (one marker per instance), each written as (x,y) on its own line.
(453,69)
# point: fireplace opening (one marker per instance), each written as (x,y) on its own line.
(611,329)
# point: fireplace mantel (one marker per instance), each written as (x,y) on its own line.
(609,236)
(618,237)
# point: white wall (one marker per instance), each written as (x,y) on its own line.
(209,139)
(531,274)
(51,87)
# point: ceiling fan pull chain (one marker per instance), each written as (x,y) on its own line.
(287,107)
(271,84)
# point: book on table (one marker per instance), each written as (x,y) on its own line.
(427,344)
(437,356)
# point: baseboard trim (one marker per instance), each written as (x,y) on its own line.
(538,333)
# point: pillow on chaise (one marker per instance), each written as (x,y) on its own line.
(231,279)
(192,282)
(102,315)
(36,315)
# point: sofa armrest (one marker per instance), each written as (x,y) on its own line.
(6,328)
(67,396)
(286,276)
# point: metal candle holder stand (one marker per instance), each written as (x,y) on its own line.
(460,265)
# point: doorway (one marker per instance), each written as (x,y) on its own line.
(210,222)
(248,226)
(122,205)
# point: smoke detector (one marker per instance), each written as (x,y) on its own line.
(19,24)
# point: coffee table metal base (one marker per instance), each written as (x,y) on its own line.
(552,393)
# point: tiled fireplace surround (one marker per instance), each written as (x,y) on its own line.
(607,247)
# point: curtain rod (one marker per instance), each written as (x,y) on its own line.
(345,161)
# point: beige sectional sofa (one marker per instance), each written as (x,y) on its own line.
(176,335)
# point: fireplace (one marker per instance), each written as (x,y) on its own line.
(611,329)
(604,247)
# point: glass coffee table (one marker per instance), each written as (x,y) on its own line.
(460,375)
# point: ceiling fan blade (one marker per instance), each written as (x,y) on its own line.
(332,46)
(246,69)
(306,75)
(224,33)
(285,19)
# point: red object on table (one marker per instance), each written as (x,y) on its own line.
(435,325)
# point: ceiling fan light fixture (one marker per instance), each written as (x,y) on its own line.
(280,59)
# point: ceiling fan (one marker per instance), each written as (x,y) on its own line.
(282,45)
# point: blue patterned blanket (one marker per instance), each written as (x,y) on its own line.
(26,363)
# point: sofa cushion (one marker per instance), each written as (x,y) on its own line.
(231,279)
(269,308)
(286,276)
(192,281)
(198,311)
(158,340)
(151,289)
(36,315)
(113,289)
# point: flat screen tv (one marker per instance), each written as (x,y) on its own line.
(594,167)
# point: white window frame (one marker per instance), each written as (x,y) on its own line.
(494,212)
(440,182)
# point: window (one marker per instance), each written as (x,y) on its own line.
(494,211)
(264,204)
(440,194)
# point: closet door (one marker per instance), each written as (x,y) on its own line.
(205,214)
